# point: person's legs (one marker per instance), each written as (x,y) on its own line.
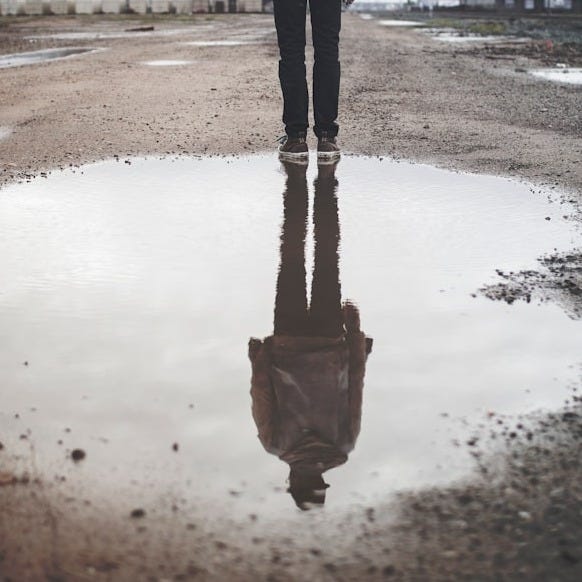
(325,25)
(290,24)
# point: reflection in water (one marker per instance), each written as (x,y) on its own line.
(308,377)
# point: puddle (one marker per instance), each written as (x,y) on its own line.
(130,293)
(570,76)
(366,16)
(32,58)
(168,63)
(460,37)
(4,132)
(222,42)
(400,23)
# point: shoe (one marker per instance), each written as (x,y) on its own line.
(327,149)
(294,149)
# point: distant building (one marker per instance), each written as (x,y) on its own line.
(221,6)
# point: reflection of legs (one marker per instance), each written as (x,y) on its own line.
(290,24)
(291,299)
(325,313)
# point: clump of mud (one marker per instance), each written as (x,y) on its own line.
(559,279)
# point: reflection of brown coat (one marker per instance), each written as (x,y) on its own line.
(307,394)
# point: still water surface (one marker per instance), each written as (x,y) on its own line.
(35,57)
(130,293)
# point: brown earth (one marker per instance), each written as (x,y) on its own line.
(404,95)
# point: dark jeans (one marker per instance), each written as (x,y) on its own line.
(324,316)
(325,23)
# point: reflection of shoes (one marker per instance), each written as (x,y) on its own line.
(327,148)
(326,168)
(295,169)
(294,149)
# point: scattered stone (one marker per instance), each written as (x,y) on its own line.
(137,513)
(140,29)
(78,455)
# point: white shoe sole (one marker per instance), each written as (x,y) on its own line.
(328,157)
(296,157)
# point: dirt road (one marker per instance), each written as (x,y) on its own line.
(404,95)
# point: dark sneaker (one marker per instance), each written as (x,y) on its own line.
(327,149)
(294,149)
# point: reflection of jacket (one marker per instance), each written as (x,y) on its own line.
(307,395)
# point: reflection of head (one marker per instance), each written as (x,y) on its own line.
(307,488)
(308,460)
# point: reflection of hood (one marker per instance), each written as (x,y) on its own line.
(312,454)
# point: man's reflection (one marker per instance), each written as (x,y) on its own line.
(307,378)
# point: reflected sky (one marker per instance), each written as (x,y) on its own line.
(131,291)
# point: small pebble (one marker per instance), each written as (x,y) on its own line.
(78,455)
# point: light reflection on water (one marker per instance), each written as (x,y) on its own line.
(32,58)
(131,291)
(571,76)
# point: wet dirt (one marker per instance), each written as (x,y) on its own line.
(405,85)
(558,278)
(131,290)
(461,38)
(112,34)
(542,52)
(35,57)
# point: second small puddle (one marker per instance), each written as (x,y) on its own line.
(32,58)
(570,76)
(130,293)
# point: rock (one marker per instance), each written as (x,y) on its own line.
(78,455)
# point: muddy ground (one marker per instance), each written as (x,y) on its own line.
(404,95)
